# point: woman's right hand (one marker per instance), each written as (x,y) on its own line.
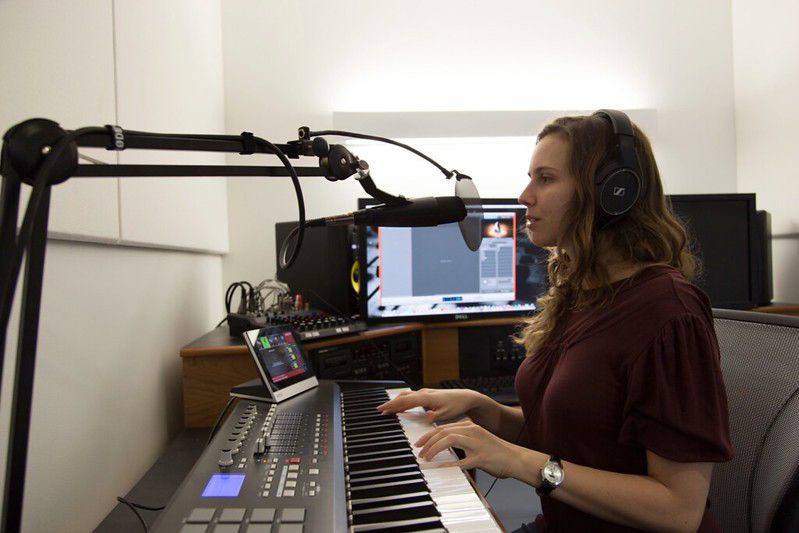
(441,404)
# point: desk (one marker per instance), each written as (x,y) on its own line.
(216,362)
(779,309)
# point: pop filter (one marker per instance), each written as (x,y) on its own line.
(472,225)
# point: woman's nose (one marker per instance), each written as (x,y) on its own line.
(527,197)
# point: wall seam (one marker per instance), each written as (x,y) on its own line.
(116,114)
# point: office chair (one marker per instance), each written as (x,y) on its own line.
(758,491)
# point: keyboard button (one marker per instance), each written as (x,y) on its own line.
(262,515)
(259,528)
(194,528)
(200,515)
(226,528)
(293,515)
(231,516)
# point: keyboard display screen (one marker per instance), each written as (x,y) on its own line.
(223,486)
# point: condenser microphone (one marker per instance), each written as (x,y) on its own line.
(414,212)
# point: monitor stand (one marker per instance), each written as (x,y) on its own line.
(252,390)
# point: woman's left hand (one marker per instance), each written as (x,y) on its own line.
(483,449)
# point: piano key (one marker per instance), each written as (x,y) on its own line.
(372,421)
(395,450)
(363,415)
(388,489)
(400,526)
(365,464)
(379,445)
(380,425)
(410,474)
(375,436)
(411,496)
(392,513)
(385,469)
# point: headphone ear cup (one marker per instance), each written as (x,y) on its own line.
(617,191)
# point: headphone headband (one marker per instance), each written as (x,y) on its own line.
(625,138)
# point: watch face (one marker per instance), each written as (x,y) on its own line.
(553,473)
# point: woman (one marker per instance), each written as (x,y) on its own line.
(623,408)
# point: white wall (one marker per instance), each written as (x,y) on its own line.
(766,58)
(107,396)
(114,316)
(289,64)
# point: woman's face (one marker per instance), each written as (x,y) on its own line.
(549,192)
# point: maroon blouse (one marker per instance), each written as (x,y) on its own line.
(641,373)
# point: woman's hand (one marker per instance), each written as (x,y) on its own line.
(440,404)
(483,449)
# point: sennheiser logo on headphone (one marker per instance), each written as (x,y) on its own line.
(619,191)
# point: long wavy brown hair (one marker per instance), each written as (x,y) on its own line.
(648,234)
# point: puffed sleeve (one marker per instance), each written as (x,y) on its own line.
(676,405)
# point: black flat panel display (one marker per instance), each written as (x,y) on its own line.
(727,238)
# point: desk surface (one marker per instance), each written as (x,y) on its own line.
(219,342)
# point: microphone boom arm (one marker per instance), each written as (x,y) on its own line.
(40,153)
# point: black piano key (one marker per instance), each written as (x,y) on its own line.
(360,392)
(416,525)
(381,470)
(393,460)
(369,415)
(370,407)
(378,446)
(368,503)
(374,437)
(387,489)
(365,454)
(382,478)
(373,429)
(364,409)
(393,513)
(363,402)
(354,423)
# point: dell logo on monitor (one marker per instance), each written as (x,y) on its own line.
(461,317)
(619,191)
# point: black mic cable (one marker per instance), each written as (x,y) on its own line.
(340,133)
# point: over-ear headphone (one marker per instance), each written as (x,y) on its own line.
(618,183)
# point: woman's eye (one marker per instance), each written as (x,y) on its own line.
(545,179)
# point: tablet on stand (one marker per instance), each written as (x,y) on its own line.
(281,362)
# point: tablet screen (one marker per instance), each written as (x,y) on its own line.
(280,356)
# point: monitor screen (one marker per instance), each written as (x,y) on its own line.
(428,273)
(724,233)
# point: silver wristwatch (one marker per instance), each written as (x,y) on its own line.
(551,476)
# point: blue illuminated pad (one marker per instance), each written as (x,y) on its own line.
(223,486)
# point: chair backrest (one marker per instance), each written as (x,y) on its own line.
(760,363)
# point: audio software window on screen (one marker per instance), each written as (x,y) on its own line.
(430,270)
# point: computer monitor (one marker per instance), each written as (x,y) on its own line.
(428,273)
(731,239)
